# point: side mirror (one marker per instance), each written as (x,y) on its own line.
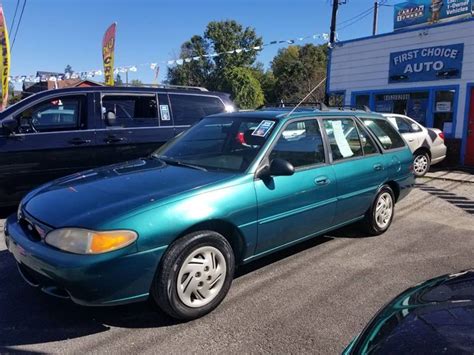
(280,167)
(10,124)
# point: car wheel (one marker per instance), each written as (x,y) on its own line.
(195,275)
(380,215)
(421,164)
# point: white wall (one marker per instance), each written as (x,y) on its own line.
(364,64)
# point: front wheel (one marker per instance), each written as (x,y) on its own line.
(380,215)
(195,275)
(421,164)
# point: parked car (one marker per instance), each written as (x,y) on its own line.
(58,132)
(231,189)
(434,317)
(427,144)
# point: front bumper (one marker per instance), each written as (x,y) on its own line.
(117,277)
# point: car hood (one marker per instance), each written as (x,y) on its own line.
(90,198)
(437,314)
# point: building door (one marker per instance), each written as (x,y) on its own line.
(469,159)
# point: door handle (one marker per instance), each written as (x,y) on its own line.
(322,180)
(79,141)
(411,139)
(378,167)
(112,139)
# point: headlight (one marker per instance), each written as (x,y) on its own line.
(83,241)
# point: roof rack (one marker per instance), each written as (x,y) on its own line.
(167,86)
(315,105)
(352,108)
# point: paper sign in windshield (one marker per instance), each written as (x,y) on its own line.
(263,128)
(341,139)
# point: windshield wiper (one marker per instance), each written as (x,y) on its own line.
(175,162)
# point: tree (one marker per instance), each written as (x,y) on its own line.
(297,70)
(244,87)
(136,82)
(118,80)
(195,72)
(68,70)
(219,37)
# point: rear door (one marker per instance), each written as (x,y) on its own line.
(358,165)
(54,139)
(129,126)
(297,206)
(187,109)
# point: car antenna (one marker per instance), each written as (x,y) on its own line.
(304,98)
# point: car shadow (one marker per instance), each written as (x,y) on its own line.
(29,317)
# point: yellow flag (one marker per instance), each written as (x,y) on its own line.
(4,58)
(108,46)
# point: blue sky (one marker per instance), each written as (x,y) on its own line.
(54,33)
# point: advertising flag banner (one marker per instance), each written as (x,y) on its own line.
(422,12)
(108,46)
(4,58)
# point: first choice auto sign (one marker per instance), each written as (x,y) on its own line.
(426,64)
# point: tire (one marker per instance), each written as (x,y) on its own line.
(421,163)
(194,276)
(377,220)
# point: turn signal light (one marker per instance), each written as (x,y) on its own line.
(441,135)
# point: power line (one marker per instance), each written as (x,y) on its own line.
(14,16)
(362,15)
(356,16)
(19,23)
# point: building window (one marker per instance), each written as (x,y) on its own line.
(444,110)
(362,100)
(414,104)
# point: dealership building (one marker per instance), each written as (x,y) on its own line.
(424,69)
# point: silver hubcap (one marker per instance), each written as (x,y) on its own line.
(420,164)
(384,210)
(201,277)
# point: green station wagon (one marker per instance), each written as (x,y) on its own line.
(234,187)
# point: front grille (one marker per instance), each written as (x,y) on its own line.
(34,229)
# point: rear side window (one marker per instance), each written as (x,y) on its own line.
(187,109)
(385,133)
(56,114)
(130,110)
(344,138)
(403,125)
(301,144)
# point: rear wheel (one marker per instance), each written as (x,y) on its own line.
(421,163)
(380,215)
(195,275)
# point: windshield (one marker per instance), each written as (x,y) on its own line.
(219,143)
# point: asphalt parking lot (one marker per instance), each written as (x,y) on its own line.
(314,297)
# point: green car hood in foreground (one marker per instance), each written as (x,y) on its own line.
(89,198)
(434,317)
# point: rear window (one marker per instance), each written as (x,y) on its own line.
(187,109)
(385,133)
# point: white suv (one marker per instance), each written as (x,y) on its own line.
(426,144)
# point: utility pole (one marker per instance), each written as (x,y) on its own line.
(332,36)
(376,17)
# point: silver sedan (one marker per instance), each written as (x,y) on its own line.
(426,144)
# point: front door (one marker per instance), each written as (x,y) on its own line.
(53,140)
(293,207)
(469,158)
